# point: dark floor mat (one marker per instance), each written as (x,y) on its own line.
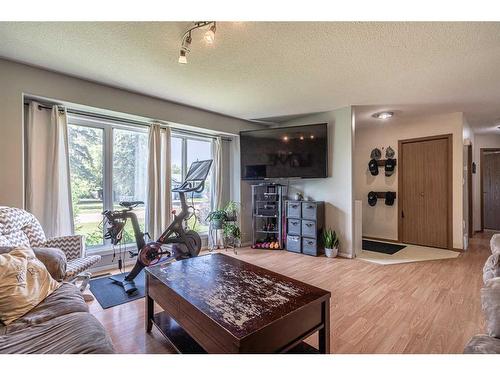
(109,294)
(382,247)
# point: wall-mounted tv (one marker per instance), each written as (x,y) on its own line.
(288,152)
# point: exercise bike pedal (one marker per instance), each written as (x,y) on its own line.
(128,286)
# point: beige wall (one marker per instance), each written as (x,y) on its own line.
(18,79)
(480,141)
(336,190)
(382,221)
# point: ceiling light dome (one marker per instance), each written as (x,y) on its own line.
(383,115)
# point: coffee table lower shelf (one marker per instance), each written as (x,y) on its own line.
(184,343)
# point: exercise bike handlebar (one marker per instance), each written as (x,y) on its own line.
(188,187)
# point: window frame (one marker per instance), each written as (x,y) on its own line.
(107,127)
(185,137)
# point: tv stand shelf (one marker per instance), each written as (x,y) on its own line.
(267,216)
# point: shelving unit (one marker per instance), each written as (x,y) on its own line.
(268,215)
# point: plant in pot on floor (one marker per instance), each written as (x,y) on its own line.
(331,242)
(230,228)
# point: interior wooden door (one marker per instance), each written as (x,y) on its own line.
(425,192)
(491,189)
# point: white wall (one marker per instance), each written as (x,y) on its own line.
(336,190)
(381,221)
(18,79)
(480,141)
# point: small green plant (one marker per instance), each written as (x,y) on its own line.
(218,215)
(330,239)
(231,231)
(231,207)
(217,218)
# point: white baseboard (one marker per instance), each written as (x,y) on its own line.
(110,266)
(345,255)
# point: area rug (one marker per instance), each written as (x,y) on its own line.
(109,294)
(382,247)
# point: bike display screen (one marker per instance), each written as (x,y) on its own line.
(198,171)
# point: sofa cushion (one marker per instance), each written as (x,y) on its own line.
(490,302)
(495,243)
(491,268)
(54,260)
(66,299)
(482,344)
(24,283)
(76,333)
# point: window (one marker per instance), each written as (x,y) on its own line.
(86,158)
(108,164)
(184,151)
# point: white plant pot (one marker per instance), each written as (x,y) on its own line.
(331,253)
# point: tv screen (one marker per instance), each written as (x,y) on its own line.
(297,151)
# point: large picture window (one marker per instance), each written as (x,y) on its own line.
(108,164)
(185,150)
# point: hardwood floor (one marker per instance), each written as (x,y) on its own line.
(424,307)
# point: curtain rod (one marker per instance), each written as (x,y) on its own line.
(129,121)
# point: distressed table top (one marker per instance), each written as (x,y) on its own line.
(239,296)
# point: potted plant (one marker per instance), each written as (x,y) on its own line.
(232,233)
(217,218)
(331,242)
(231,210)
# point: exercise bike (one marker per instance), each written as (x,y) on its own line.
(186,244)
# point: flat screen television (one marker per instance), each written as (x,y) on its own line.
(296,151)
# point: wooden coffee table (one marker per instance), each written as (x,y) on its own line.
(219,304)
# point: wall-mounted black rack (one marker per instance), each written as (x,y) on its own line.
(382,162)
(373,197)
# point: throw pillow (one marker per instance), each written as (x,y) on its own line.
(491,268)
(24,283)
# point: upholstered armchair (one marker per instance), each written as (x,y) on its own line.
(20,228)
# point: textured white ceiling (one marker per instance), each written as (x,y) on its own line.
(267,69)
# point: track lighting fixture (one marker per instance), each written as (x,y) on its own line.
(209,38)
(182,57)
(210,34)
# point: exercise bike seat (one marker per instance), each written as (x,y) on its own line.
(130,204)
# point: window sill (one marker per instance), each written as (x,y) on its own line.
(108,249)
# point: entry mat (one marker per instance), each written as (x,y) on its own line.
(109,294)
(382,247)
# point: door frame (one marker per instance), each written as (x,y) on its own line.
(449,224)
(470,229)
(481,158)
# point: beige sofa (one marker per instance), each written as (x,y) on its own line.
(489,343)
(59,324)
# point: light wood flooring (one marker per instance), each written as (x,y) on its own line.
(424,307)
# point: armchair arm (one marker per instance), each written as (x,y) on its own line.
(53,259)
(73,246)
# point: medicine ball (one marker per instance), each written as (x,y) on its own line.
(372,198)
(373,167)
(390,196)
(390,164)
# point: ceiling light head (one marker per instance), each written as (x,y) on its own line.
(383,115)
(210,34)
(182,57)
